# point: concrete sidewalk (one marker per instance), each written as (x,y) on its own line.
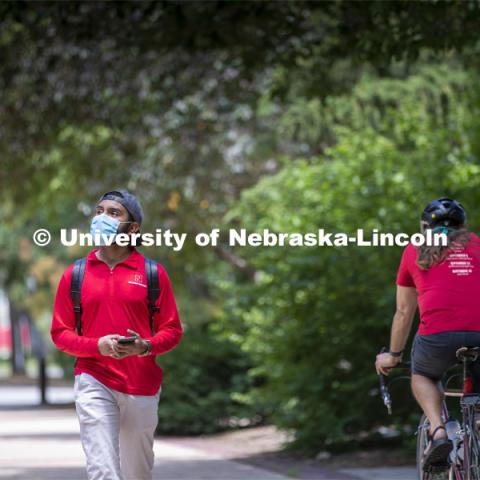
(398,473)
(44,444)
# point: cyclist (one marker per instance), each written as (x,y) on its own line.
(445,280)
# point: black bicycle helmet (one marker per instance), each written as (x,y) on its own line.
(444,212)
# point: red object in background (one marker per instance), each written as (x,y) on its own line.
(25,336)
(468,385)
(6,337)
(5,340)
(5,326)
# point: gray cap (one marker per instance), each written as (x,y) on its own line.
(128,200)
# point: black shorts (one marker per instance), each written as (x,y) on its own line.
(433,355)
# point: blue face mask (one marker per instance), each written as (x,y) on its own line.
(104,226)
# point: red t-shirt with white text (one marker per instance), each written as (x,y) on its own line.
(112,302)
(449,292)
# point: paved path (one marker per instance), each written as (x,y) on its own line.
(44,444)
(399,473)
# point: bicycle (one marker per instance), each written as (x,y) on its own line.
(463,463)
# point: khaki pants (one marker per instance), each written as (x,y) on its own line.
(116,430)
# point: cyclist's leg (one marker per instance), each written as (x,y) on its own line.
(429,395)
(432,355)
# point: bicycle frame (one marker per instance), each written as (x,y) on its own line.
(460,465)
(468,401)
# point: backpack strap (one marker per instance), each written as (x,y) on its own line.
(151,270)
(78,273)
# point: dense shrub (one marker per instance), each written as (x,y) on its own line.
(316,316)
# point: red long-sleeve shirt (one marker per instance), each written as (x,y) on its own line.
(112,302)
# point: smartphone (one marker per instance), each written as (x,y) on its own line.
(127,340)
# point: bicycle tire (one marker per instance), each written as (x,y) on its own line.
(474,454)
(422,441)
(421,445)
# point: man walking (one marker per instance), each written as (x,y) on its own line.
(117,381)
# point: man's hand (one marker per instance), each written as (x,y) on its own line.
(135,348)
(385,362)
(106,345)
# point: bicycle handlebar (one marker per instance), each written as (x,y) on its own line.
(385,394)
(464,355)
(383,386)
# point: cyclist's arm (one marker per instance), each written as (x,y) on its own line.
(403,318)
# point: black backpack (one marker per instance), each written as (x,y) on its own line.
(78,272)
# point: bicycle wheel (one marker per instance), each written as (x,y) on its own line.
(422,441)
(474,455)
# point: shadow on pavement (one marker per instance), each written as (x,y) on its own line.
(166,470)
(43,473)
(48,406)
(292,468)
(39,436)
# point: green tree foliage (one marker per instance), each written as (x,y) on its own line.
(168,88)
(314,317)
(204,380)
(191,103)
